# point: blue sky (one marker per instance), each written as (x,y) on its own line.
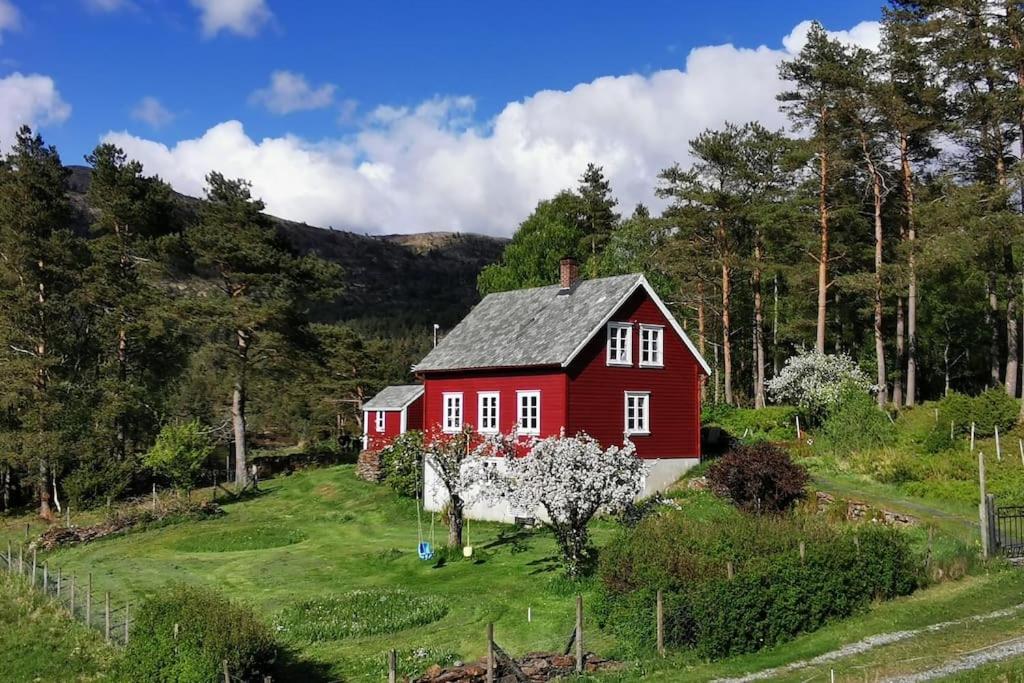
(373,96)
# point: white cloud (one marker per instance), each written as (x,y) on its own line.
(10,18)
(434,167)
(865,34)
(289,92)
(244,17)
(149,110)
(31,100)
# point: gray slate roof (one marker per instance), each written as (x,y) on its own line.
(395,397)
(528,327)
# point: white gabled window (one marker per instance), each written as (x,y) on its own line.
(380,420)
(529,412)
(651,346)
(620,344)
(638,412)
(487,412)
(452,412)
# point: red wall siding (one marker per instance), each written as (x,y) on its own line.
(550,383)
(596,391)
(392,428)
(414,415)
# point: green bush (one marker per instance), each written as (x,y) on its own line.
(990,409)
(210,630)
(772,423)
(402,462)
(179,453)
(854,423)
(359,613)
(773,596)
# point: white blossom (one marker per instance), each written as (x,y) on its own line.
(814,381)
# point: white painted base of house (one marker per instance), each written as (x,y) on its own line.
(660,475)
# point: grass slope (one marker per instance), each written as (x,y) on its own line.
(39,643)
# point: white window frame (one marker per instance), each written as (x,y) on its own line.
(520,404)
(482,427)
(380,421)
(614,330)
(643,428)
(450,425)
(656,346)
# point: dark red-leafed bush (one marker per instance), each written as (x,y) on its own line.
(759,478)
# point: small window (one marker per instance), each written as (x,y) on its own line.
(620,344)
(487,417)
(380,420)
(529,412)
(452,412)
(651,353)
(638,412)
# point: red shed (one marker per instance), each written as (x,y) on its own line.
(602,356)
(393,411)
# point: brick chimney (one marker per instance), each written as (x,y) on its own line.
(570,272)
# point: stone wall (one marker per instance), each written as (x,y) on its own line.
(370,467)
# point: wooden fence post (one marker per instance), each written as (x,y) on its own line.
(21,558)
(227,676)
(58,582)
(972,437)
(803,551)
(106,616)
(490,653)
(88,601)
(126,606)
(71,603)
(392,666)
(983,508)
(729,570)
(33,567)
(579,633)
(999,448)
(10,550)
(26,531)
(660,616)
(46,577)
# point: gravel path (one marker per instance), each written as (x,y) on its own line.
(972,660)
(871,642)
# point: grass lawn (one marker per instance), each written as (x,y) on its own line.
(39,643)
(323,532)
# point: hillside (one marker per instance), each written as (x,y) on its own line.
(391,282)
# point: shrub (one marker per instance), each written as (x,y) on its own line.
(179,453)
(402,462)
(759,478)
(359,613)
(211,629)
(814,381)
(772,423)
(990,409)
(773,596)
(855,423)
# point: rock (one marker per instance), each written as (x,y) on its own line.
(434,671)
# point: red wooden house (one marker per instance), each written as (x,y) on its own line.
(395,410)
(601,356)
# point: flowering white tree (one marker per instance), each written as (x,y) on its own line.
(815,381)
(570,478)
(448,455)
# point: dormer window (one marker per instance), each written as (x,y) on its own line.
(651,346)
(620,344)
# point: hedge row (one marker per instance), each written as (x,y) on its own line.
(773,596)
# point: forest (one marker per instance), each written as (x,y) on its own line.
(885,225)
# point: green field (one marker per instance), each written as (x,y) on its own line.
(323,533)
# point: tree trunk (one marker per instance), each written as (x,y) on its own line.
(908,196)
(122,376)
(945,363)
(823,256)
(701,334)
(758,333)
(238,399)
(1012,343)
(776,357)
(992,315)
(897,384)
(878,196)
(456,520)
(726,342)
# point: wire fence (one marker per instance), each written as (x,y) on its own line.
(98,610)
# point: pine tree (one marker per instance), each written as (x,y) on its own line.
(598,217)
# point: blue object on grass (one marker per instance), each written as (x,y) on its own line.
(426,552)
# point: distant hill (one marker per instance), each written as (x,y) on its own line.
(392,282)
